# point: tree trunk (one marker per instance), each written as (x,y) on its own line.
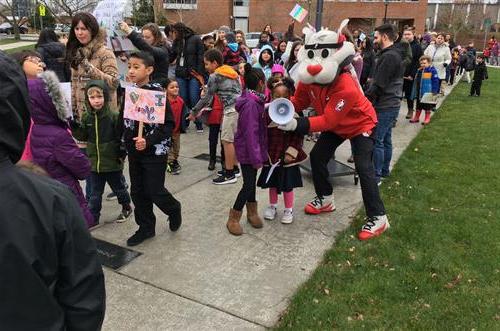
(15,28)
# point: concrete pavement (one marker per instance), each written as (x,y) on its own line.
(16,45)
(202,278)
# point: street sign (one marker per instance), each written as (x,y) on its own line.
(41,10)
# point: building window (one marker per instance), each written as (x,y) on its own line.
(180,4)
(241,3)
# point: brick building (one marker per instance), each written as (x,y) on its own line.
(253,15)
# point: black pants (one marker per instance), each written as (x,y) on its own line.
(362,148)
(98,181)
(247,192)
(453,72)
(475,88)
(147,186)
(407,88)
(213,140)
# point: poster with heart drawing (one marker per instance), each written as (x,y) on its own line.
(144,105)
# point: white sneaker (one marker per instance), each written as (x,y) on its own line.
(287,216)
(270,213)
(374,227)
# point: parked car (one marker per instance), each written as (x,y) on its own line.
(62,28)
(9,29)
(252,39)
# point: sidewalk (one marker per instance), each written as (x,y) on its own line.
(204,278)
(16,45)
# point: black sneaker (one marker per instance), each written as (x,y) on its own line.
(112,196)
(225,179)
(170,166)
(236,172)
(175,220)
(176,168)
(124,215)
(139,237)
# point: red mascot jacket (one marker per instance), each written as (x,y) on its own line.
(341,107)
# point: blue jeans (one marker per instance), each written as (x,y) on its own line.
(189,89)
(383,143)
(99,180)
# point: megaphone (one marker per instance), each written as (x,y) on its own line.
(281,111)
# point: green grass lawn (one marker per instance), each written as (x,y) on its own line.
(7,41)
(18,49)
(438,266)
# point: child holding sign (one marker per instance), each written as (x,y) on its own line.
(147,145)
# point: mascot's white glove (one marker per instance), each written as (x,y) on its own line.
(290,126)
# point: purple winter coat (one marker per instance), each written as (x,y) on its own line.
(52,146)
(250,140)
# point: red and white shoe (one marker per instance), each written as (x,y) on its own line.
(320,205)
(374,227)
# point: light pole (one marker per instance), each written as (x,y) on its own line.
(386,4)
(319,14)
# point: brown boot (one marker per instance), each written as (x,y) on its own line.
(409,114)
(253,215)
(233,222)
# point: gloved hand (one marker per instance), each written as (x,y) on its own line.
(290,126)
(445,64)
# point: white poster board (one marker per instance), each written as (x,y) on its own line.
(109,13)
(66,92)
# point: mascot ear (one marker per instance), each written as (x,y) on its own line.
(342,26)
(308,31)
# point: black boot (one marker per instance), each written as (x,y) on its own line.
(175,220)
(139,237)
(211,164)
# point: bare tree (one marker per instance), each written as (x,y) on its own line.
(69,8)
(461,17)
(9,11)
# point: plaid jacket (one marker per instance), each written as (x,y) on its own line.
(282,142)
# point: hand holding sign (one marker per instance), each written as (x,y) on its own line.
(144,106)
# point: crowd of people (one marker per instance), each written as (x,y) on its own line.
(217,81)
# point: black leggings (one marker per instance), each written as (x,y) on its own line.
(213,140)
(247,192)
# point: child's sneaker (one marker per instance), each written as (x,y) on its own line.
(270,213)
(320,205)
(287,216)
(124,215)
(374,226)
(236,172)
(225,179)
(176,167)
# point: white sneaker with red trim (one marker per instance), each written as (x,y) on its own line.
(320,205)
(374,226)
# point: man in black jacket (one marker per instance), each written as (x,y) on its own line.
(411,68)
(50,277)
(385,93)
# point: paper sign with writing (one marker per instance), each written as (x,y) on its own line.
(299,13)
(66,92)
(144,105)
(109,13)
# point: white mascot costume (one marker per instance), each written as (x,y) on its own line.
(327,83)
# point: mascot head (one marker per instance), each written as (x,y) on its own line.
(324,54)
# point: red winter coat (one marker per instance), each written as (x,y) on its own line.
(341,107)
(177,106)
(215,115)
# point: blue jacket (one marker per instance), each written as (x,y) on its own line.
(428,80)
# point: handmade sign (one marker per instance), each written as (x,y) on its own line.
(144,105)
(66,92)
(109,13)
(299,13)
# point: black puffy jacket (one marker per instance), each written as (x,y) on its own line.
(53,54)
(188,53)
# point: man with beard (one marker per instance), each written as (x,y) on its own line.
(385,93)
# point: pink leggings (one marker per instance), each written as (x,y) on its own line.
(287,196)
